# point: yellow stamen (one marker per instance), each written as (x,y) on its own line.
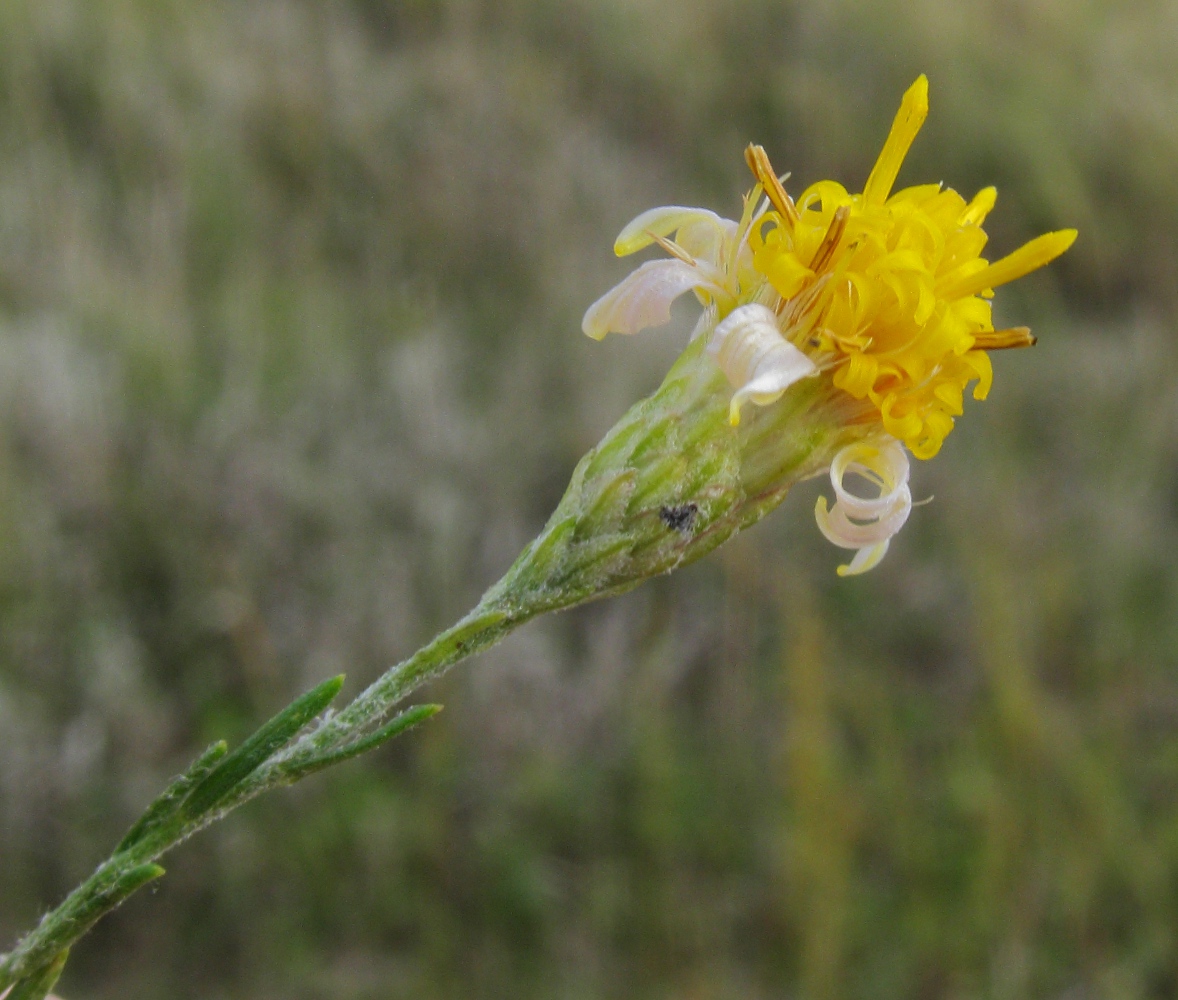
(912,113)
(830,241)
(1001,340)
(673,248)
(758,161)
(1039,251)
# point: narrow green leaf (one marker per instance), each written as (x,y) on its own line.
(169,800)
(402,722)
(134,879)
(80,917)
(274,735)
(38,985)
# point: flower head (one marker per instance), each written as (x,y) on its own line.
(903,320)
(881,297)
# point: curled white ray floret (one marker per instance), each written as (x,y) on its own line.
(759,362)
(866,523)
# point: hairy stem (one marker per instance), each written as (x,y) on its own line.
(671,481)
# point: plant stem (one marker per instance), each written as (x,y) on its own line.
(172,818)
(672,480)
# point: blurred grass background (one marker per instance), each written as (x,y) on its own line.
(290,368)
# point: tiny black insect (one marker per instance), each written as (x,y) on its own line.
(679,518)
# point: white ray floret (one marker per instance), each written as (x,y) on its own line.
(866,523)
(709,255)
(759,362)
(698,231)
(643,298)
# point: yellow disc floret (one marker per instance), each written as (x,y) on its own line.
(898,294)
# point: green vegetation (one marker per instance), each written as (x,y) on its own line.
(290,370)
